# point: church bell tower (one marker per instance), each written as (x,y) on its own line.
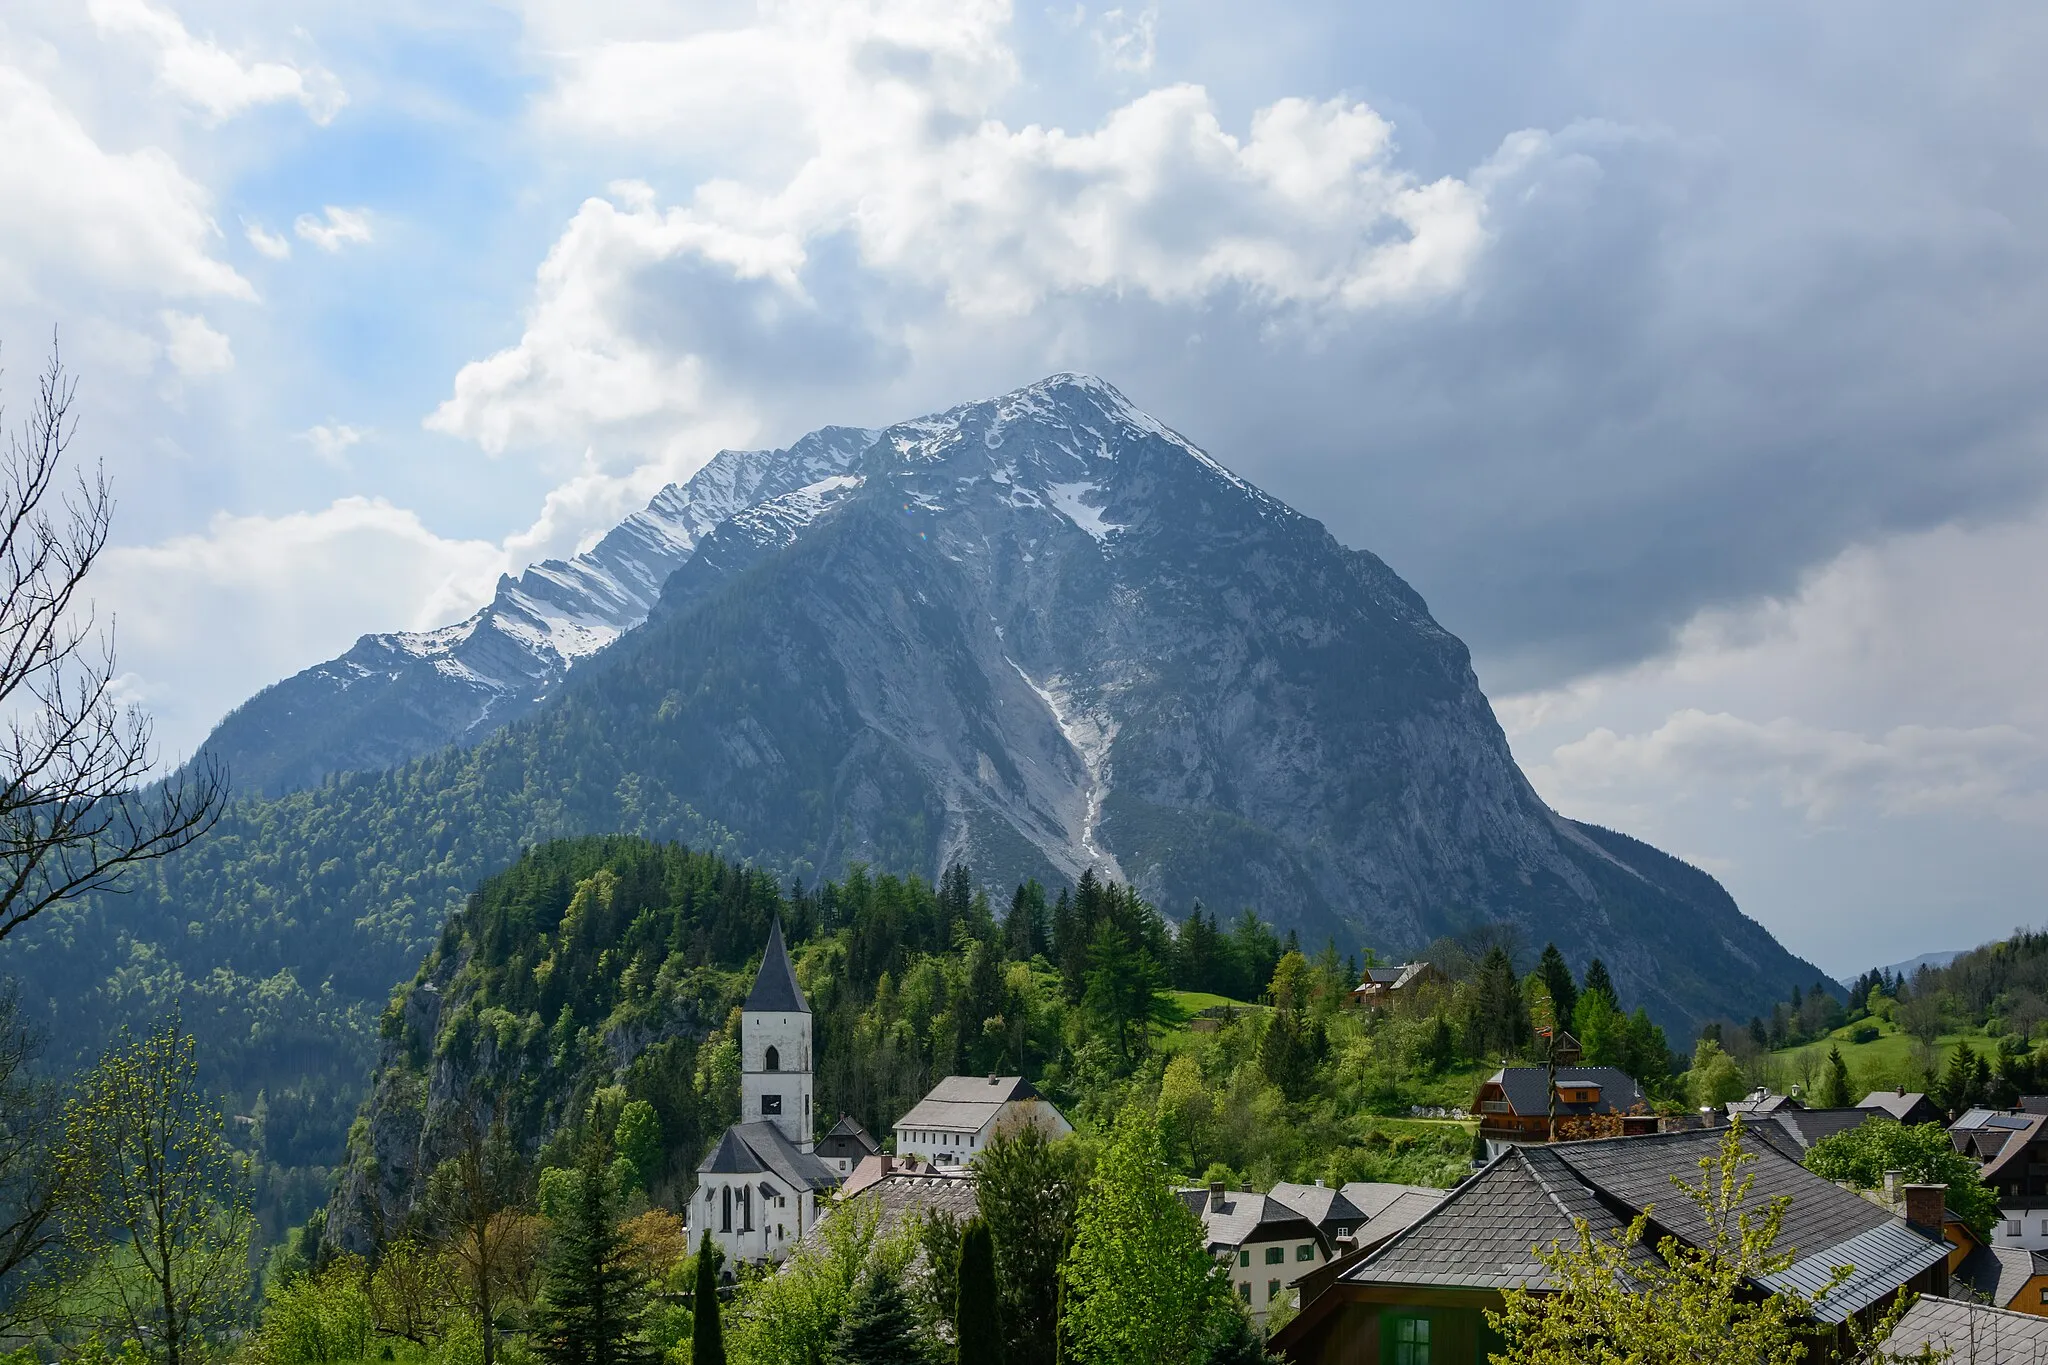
(775,1048)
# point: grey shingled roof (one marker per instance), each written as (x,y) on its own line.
(1975,1333)
(962,1104)
(902,1198)
(1893,1102)
(1324,1205)
(1480,1237)
(1801,1128)
(1528,1089)
(1248,1217)
(1998,1273)
(1370,1197)
(775,989)
(749,1148)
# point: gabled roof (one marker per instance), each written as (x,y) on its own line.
(1527,1088)
(761,1147)
(1792,1131)
(1392,978)
(1761,1101)
(1481,1235)
(963,1104)
(775,989)
(1372,1197)
(848,1138)
(1998,1273)
(2012,1153)
(902,1197)
(1247,1217)
(1973,1331)
(1323,1205)
(1897,1103)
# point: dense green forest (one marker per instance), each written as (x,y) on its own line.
(613,968)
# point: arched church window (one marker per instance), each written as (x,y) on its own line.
(725,1218)
(774,1060)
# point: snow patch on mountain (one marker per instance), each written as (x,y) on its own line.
(1071,500)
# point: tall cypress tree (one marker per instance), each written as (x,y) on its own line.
(707,1333)
(593,1297)
(975,1326)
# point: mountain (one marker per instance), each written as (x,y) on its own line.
(397,696)
(1032,634)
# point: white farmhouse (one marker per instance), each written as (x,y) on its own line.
(963,1114)
(758,1190)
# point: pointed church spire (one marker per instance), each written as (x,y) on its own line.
(775,989)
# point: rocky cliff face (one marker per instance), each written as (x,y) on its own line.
(1035,634)
(394,697)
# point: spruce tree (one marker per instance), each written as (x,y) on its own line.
(707,1333)
(1598,982)
(1557,979)
(978,1334)
(1239,1345)
(879,1328)
(593,1296)
(1834,1085)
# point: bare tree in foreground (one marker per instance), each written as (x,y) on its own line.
(74,811)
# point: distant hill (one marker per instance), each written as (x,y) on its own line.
(1910,965)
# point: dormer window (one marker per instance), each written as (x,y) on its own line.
(774,1060)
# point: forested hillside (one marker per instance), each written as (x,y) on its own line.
(611,970)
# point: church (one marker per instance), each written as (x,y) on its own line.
(758,1190)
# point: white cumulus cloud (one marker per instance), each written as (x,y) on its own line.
(331,440)
(211,78)
(334,228)
(194,347)
(269,594)
(271,244)
(72,212)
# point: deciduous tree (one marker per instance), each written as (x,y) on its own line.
(158,1217)
(1140,1282)
(75,813)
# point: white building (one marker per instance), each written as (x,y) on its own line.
(963,1114)
(758,1190)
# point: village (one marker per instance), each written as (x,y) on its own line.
(1411,1274)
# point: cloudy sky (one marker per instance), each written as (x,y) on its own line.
(1689,358)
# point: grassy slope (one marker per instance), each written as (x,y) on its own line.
(1892,1059)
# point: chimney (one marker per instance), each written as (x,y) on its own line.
(888,1163)
(1215,1196)
(991,1078)
(1892,1180)
(1319,1182)
(1900,1092)
(1925,1207)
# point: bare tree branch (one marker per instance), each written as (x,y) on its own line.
(77,809)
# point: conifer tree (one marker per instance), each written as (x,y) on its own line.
(1557,979)
(977,1332)
(707,1333)
(594,1295)
(879,1328)
(1598,982)
(1834,1086)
